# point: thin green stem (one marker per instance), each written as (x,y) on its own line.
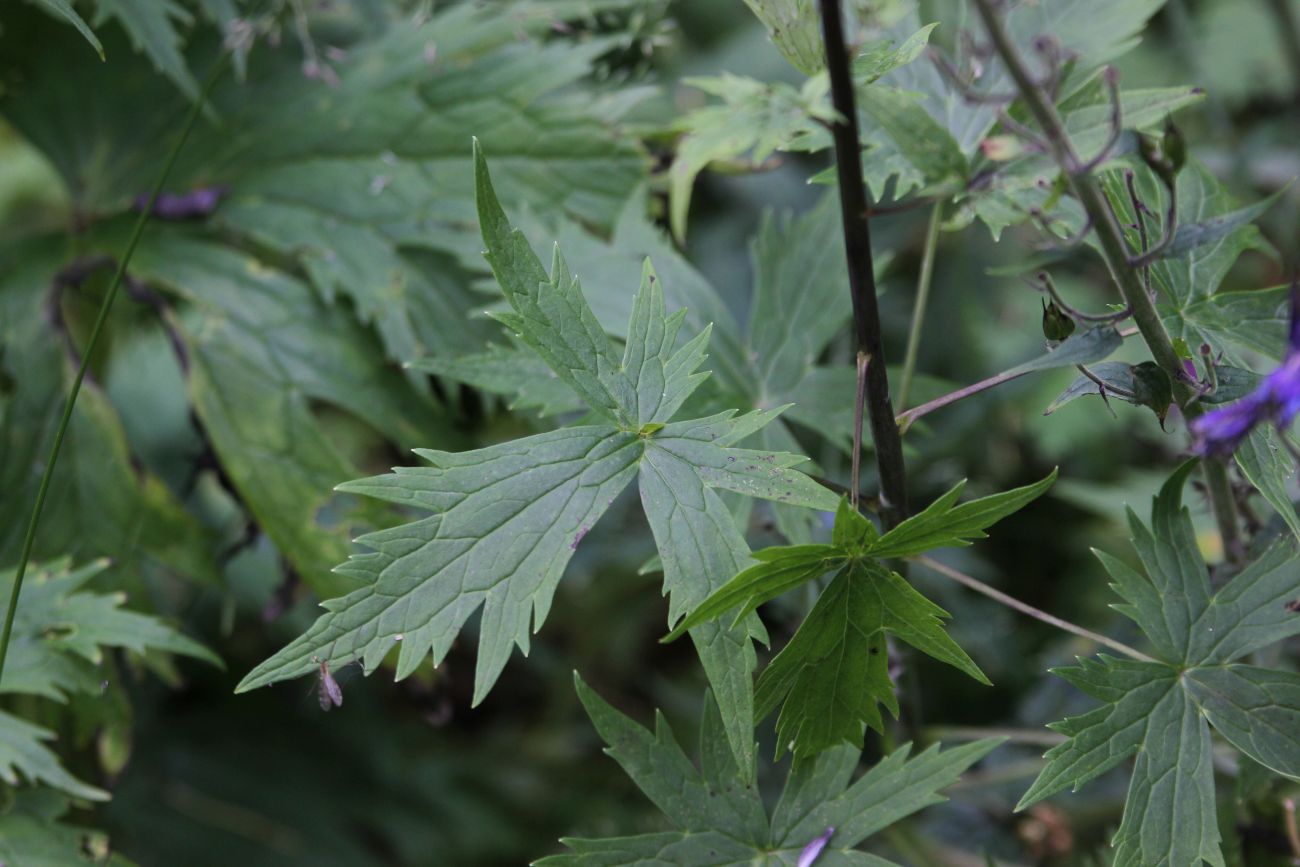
(1025,608)
(1114,249)
(923,281)
(33,522)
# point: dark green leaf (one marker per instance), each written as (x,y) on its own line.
(719,818)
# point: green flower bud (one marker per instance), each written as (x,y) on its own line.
(1056,324)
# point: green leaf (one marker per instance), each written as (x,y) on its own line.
(1233,383)
(263,351)
(943,524)
(152,24)
(720,820)
(917,136)
(101,503)
(1266,465)
(1163,709)
(33,834)
(778,571)
(1084,347)
(506,519)
(885,55)
(834,672)
(754,120)
(794,26)
(361,186)
(63,9)
(23,755)
(1189,236)
(61,629)
(514,373)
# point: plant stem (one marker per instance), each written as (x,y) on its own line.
(1025,608)
(923,281)
(1115,251)
(29,539)
(873,383)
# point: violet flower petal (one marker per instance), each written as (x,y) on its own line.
(813,849)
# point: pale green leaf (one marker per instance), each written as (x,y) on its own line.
(24,757)
(885,55)
(61,630)
(794,26)
(506,521)
(754,120)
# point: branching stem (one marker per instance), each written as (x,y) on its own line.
(873,383)
(119,275)
(1027,609)
(1115,251)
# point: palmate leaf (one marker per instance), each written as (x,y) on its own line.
(508,518)
(360,185)
(719,816)
(61,629)
(1163,709)
(799,305)
(833,675)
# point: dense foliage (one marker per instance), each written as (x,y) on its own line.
(361,338)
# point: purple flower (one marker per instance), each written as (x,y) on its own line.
(813,849)
(195,204)
(1276,401)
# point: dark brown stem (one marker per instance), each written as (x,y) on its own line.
(862,282)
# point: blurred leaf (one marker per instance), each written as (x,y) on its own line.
(719,816)
(1162,709)
(60,631)
(22,752)
(101,502)
(152,26)
(354,182)
(261,348)
(884,56)
(794,26)
(754,120)
(63,9)
(918,136)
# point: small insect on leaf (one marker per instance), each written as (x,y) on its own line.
(329,692)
